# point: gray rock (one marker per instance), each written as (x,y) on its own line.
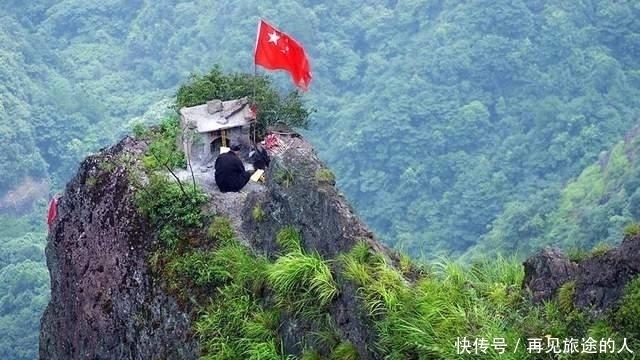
(104,303)
(600,280)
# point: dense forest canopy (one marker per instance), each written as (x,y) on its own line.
(454,128)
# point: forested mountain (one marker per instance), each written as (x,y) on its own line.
(447,124)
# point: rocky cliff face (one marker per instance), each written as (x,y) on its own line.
(107,302)
(599,280)
(104,303)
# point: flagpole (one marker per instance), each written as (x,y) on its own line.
(255,75)
(255,124)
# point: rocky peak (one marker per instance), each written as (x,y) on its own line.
(105,303)
(108,302)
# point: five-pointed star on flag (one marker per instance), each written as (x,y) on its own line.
(276,50)
(273,37)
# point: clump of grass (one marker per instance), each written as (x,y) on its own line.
(405,264)
(310,355)
(235,326)
(345,351)
(627,314)
(325,176)
(221,230)
(632,229)
(600,250)
(565,296)
(284,176)
(257,213)
(303,283)
(288,239)
(577,254)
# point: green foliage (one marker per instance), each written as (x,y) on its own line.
(577,254)
(140,130)
(310,355)
(345,351)
(221,229)
(632,230)
(231,263)
(288,239)
(284,175)
(236,327)
(171,209)
(24,293)
(483,301)
(324,175)
(627,315)
(200,268)
(272,107)
(302,283)
(162,152)
(257,213)
(600,249)
(566,292)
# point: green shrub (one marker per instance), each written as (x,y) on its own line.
(162,152)
(221,230)
(272,107)
(170,208)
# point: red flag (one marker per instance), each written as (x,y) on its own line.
(276,50)
(53,211)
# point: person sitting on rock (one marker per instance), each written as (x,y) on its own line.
(259,157)
(230,174)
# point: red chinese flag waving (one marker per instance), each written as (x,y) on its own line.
(276,50)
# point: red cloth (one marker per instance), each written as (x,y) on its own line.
(53,211)
(276,50)
(270,142)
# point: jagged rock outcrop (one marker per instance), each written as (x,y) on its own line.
(308,200)
(104,304)
(599,280)
(107,304)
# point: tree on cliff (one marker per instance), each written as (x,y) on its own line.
(272,107)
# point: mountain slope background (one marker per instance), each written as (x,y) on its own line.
(450,127)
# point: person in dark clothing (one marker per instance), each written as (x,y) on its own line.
(230,174)
(260,158)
